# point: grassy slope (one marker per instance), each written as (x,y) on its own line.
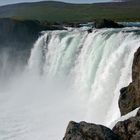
(56,11)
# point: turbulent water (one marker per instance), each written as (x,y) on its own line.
(70,75)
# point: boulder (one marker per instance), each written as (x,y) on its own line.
(104,23)
(89,30)
(128,129)
(130,95)
(88,131)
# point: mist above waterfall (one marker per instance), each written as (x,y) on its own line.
(70,75)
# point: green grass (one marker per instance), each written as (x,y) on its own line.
(61,12)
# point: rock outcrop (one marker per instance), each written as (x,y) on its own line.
(104,23)
(130,96)
(128,129)
(88,131)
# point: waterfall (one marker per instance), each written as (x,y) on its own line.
(70,75)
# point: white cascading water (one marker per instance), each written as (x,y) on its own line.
(71,75)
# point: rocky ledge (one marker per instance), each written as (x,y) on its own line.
(18,36)
(125,130)
(22,31)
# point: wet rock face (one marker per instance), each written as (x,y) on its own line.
(130,96)
(129,129)
(128,99)
(88,131)
(13,31)
(136,70)
(17,38)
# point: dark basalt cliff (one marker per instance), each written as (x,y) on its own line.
(18,36)
(125,130)
(130,96)
(16,40)
(21,32)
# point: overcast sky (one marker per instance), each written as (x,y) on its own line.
(4,2)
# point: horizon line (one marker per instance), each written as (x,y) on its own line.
(59,1)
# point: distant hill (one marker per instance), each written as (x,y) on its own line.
(66,12)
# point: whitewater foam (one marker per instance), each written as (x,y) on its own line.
(70,75)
